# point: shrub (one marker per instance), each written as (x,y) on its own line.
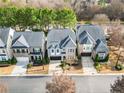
(13,61)
(29,65)
(97,66)
(98,60)
(47,60)
(119,67)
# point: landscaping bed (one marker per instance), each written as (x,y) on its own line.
(38,69)
(75,69)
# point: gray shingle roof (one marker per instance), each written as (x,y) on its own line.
(28,39)
(100,46)
(87,33)
(4,32)
(94,30)
(61,37)
(85,38)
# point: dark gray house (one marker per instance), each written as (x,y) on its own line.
(28,45)
(91,41)
(61,44)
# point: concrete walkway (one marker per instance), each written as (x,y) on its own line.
(20,68)
(88,67)
(54,68)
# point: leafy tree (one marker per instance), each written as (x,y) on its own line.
(65,17)
(61,84)
(118,86)
(46,18)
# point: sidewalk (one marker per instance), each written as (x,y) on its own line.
(88,67)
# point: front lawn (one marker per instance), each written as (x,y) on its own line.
(6,70)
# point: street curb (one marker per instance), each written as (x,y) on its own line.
(64,74)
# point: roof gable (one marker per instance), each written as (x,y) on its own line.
(21,42)
(100,46)
(67,42)
(96,32)
(86,38)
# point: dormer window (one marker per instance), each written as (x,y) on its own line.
(57,50)
(52,51)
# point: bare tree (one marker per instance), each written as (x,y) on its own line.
(3,88)
(118,86)
(101,18)
(61,84)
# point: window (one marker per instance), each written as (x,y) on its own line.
(57,50)
(27,50)
(64,57)
(37,57)
(36,49)
(18,51)
(23,50)
(71,50)
(14,51)
(101,55)
(3,58)
(52,51)
(3,51)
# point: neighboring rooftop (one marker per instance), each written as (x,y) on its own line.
(4,33)
(95,31)
(28,39)
(87,34)
(61,38)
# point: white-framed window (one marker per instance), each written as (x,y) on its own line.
(101,55)
(57,51)
(36,49)
(3,58)
(52,52)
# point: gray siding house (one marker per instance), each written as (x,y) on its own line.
(61,44)
(91,41)
(6,35)
(28,45)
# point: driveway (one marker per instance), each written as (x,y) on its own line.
(88,66)
(21,66)
(54,67)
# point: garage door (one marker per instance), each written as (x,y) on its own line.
(85,54)
(55,58)
(22,59)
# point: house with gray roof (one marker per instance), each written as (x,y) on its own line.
(61,44)
(29,45)
(6,35)
(91,41)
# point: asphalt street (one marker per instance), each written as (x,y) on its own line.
(36,84)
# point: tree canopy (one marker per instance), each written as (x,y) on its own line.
(41,19)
